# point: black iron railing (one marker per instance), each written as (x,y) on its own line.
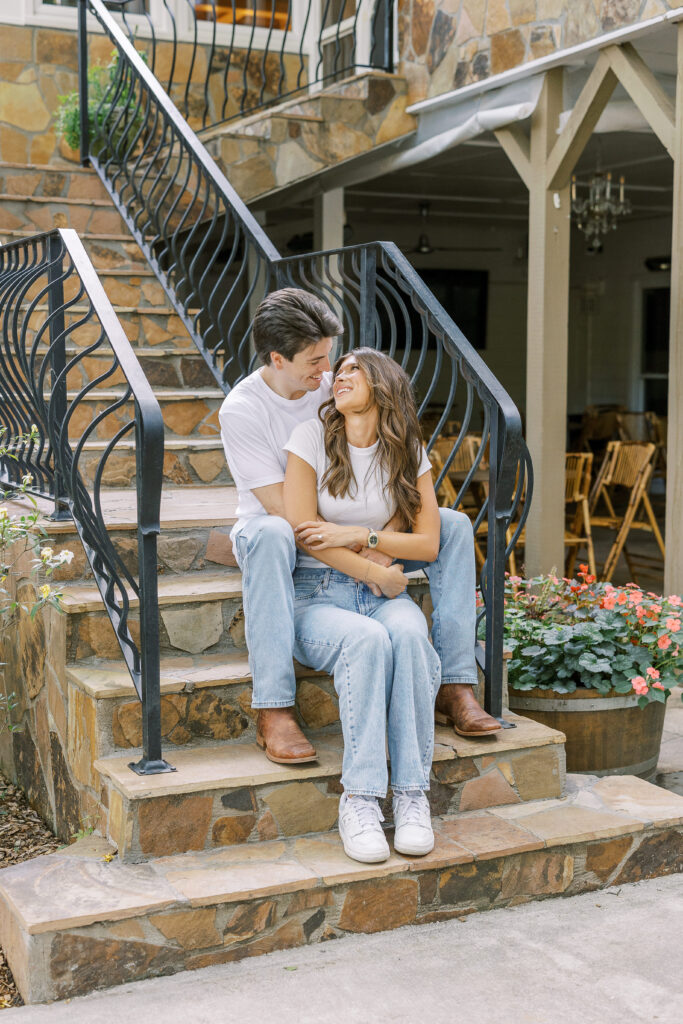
(55,316)
(243,55)
(215,263)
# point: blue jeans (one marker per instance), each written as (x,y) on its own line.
(266,554)
(386,674)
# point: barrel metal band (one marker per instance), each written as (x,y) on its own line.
(541,704)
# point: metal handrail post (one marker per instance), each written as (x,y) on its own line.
(57,334)
(83,82)
(149,479)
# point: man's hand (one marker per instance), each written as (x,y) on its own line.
(378,557)
(393,581)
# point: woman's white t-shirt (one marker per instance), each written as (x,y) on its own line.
(368,503)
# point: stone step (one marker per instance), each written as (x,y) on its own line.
(299,139)
(186,413)
(233,794)
(106,251)
(195,524)
(187,460)
(80,919)
(52,181)
(163,366)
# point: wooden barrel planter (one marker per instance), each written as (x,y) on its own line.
(607,733)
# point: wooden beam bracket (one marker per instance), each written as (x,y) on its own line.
(516,146)
(572,140)
(645,91)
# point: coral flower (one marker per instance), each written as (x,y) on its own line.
(639,685)
(622,598)
(673,625)
(664,643)
(675,601)
(609,603)
(657,686)
(653,673)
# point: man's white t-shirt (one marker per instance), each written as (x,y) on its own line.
(367,504)
(256,424)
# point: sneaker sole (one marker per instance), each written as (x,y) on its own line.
(413,852)
(366,858)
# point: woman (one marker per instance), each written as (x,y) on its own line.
(361,466)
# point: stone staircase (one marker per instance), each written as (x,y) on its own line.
(300,138)
(231,856)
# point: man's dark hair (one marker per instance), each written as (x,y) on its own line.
(290,320)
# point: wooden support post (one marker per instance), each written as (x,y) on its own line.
(328,225)
(328,233)
(547,338)
(673,567)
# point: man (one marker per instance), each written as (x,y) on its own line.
(293,334)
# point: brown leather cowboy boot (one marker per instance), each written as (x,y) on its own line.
(278,733)
(456,705)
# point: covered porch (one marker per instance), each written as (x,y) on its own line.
(582,340)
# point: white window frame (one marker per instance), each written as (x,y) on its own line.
(35,12)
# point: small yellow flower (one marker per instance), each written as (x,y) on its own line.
(46,554)
(45,591)
(3,513)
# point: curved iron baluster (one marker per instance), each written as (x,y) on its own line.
(41,384)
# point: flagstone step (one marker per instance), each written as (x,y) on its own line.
(80,919)
(231,793)
(186,413)
(195,527)
(301,138)
(187,460)
(163,366)
(200,611)
(106,251)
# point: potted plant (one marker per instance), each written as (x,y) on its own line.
(107,100)
(597,662)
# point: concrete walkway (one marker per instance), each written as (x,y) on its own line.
(607,957)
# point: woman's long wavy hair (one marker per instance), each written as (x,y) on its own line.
(400,438)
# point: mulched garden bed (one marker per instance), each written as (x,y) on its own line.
(23,834)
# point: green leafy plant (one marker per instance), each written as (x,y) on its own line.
(568,633)
(22,525)
(105,103)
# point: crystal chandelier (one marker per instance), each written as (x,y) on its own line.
(597,214)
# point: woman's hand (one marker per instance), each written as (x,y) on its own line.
(392,581)
(319,535)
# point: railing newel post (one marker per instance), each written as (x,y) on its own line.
(368,295)
(83,82)
(57,334)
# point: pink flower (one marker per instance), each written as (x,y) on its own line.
(623,598)
(515,579)
(664,643)
(639,685)
(674,600)
(657,686)
(653,673)
(673,624)
(656,608)
(635,597)
(609,603)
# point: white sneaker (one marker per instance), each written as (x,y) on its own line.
(360,829)
(412,819)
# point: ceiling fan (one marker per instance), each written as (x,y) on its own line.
(424,247)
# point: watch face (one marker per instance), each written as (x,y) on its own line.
(373,539)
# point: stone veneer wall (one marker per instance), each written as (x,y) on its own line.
(446,44)
(37,65)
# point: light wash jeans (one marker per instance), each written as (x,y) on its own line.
(386,674)
(266,554)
